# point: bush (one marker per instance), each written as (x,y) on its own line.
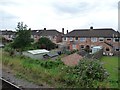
(51,64)
(86,74)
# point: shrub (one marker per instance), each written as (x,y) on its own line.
(86,74)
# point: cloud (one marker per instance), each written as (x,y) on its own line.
(7,20)
(69,14)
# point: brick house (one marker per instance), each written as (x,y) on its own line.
(79,39)
(8,34)
(54,35)
(35,34)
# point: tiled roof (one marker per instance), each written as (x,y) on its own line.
(105,32)
(50,32)
(36,32)
(72,60)
(7,32)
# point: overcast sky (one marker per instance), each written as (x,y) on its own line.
(58,14)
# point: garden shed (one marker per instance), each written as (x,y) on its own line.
(36,54)
(96,49)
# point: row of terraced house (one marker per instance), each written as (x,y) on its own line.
(79,39)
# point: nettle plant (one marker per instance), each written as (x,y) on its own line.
(86,74)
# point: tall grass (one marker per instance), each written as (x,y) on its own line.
(49,72)
(33,70)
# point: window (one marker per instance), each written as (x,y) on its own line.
(116,39)
(94,39)
(82,46)
(107,49)
(76,38)
(74,46)
(35,36)
(108,39)
(82,39)
(71,38)
(64,38)
(101,39)
(117,49)
(9,36)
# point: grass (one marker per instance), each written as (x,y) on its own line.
(111,65)
(37,71)
(33,70)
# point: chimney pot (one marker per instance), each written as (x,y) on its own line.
(63,30)
(44,28)
(67,31)
(91,27)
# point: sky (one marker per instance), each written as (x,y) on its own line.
(58,14)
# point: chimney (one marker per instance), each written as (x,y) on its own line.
(91,27)
(67,31)
(63,30)
(44,28)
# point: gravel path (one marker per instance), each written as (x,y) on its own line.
(8,75)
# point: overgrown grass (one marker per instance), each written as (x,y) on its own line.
(50,72)
(111,64)
(37,71)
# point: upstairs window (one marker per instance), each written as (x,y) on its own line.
(101,39)
(82,39)
(70,38)
(64,38)
(108,39)
(116,40)
(76,38)
(94,39)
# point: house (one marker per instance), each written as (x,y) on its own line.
(80,39)
(54,35)
(35,34)
(8,34)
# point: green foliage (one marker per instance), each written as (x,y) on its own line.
(86,74)
(45,43)
(68,52)
(8,48)
(89,73)
(23,38)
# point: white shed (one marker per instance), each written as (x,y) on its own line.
(36,54)
(96,48)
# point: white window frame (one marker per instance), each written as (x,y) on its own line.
(94,39)
(83,39)
(74,46)
(116,38)
(65,38)
(75,39)
(101,38)
(108,38)
(70,38)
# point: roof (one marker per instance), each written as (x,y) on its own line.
(8,32)
(38,51)
(103,32)
(50,32)
(36,32)
(72,60)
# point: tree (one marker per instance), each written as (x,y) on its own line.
(23,37)
(45,43)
